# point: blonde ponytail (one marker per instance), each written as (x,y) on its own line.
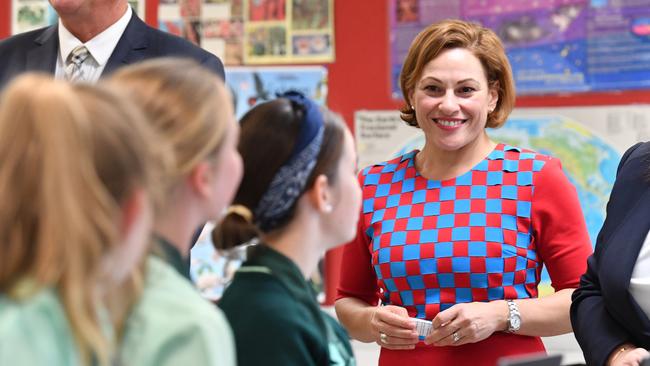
(70,156)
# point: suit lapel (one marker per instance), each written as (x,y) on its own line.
(618,261)
(131,48)
(44,55)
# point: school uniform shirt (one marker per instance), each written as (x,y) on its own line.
(169,254)
(36,331)
(276,319)
(173,325)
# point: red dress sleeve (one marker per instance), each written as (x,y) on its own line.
(559,227)
(358,279)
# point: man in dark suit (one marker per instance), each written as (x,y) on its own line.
(610,316)
(108,34)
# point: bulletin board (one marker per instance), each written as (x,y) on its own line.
(254,32)
(240,32)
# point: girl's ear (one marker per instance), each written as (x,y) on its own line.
(320,194)
(200,178)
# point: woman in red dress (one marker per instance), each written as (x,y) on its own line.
(458,232)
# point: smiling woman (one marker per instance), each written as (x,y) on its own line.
(454,233)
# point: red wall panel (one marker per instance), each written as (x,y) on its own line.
(5,19)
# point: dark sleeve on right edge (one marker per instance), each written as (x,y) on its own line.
(596,331)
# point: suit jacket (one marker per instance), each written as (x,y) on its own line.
(37,50)
(603,313)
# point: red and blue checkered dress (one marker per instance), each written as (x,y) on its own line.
(426,245)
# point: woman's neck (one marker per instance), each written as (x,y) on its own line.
(301,242)
(436,164)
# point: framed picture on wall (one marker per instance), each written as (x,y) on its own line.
(288,31)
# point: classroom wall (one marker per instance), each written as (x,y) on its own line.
(359,78)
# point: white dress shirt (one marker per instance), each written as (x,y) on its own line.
(100,48)
(640,280)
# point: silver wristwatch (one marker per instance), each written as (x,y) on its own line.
(514,318)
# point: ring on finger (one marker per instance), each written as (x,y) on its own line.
(455,336)
(383,337)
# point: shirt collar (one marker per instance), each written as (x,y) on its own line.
(101,46)
(288,273)
(283,268)
(166,251)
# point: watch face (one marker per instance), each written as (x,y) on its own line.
(515,323)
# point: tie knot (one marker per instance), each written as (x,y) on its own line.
(78,55)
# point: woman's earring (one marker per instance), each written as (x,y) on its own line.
(412,107)
(328,208)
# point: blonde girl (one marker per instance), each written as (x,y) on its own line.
(77,171)
(192,111)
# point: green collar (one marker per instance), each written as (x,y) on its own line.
(264,259)
(166,251)
(282,267)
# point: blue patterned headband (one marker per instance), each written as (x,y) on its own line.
(290,180)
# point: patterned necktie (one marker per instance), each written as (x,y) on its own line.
(76,58)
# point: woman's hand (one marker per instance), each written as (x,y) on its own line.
(468,323)
(393,328)
(631,356)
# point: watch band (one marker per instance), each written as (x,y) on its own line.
(514,317)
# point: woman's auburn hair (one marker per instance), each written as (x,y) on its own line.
(71,154)
(480,41)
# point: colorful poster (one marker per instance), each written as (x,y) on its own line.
(588,140)
(181,18)
(253,85)
(215,25)
(254,32)
(553,45)
(619,44)
(223,30)
(545,40)
(288,31)
(266,10)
